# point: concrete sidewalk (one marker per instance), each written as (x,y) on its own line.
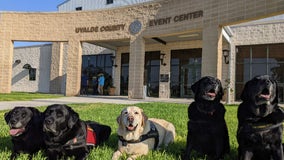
(88,99)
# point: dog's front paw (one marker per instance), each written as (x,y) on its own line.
(116,155)
(132,157)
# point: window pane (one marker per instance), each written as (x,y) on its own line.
(258,69)
(108,60)
(243,53)
(240,72)
(152,73)
(259,51)
(277,71)
(239,89)
(276,53)
(185,70)
(124,73)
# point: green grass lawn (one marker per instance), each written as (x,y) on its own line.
(26,96)
(107,114)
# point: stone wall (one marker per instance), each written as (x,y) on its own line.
(38,57)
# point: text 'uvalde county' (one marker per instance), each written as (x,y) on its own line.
(108,28)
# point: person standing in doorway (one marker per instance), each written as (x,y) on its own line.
(101,83)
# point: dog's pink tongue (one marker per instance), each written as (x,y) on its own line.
(14,132)
(266,96)
(211,94)
(130,128)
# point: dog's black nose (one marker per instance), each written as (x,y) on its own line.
(48,121)
(13,121)
(130,118)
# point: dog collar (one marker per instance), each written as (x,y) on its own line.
(153,133)
(263,127)
(259,127)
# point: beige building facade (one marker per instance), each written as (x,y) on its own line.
(163,26)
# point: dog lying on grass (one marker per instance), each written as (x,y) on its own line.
(138,134)
(260,119)
(66,135)
(207,129)
(26,130)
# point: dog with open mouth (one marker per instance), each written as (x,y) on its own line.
(207,129)
(137,134)
(26,130)
(66,135)
(260,121)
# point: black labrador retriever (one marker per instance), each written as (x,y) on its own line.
(260,121)
(207,129)
(66,135)
(26,130)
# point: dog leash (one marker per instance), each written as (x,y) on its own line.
(153,133)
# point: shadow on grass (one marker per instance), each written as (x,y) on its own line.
(5,145)
(177,150)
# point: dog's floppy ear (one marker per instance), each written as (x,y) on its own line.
(7,116)
(195,87)
(221,90)
(144,118)
(118,119)
(276,99)
(35,111)
(245,96)
(74,117)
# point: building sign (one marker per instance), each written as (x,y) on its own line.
(108,28)
(135,27)
(164,77)
(175,19)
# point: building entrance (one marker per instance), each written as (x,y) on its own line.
(152,73)
(189,74)
(185,70)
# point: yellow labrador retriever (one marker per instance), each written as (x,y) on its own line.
(138,134)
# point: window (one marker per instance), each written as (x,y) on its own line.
(92,65)
(185,70)
(152,73)
(259,60)
(124,74)
(109,1)
(32,74)
(79,8)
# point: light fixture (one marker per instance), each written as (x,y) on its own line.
(162,57)
(113,61)
(188,35)
(18,61)
(226,53)
(27,66)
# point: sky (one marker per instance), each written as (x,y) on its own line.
(29,6)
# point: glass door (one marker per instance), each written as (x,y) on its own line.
(189,74)
(185,70)
(152,73)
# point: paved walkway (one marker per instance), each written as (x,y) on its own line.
(88,99)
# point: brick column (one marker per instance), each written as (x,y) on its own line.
(164,87)
(117,72)
(212,51)
(136,68)
(56,67)
(74,64)
(6,63)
